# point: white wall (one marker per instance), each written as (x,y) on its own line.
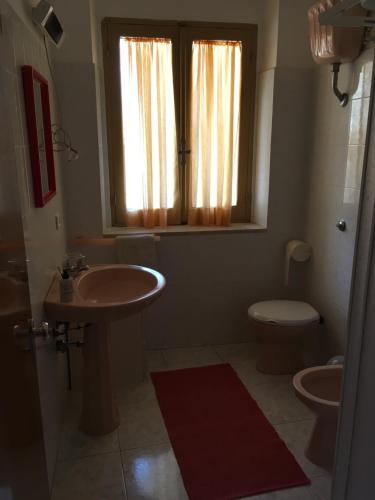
(338,143)
(23,9)
(245,11)
(45,246)
(269,44)
(294,44)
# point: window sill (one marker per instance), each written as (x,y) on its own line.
(177,230)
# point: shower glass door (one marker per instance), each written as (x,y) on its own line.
(23,472)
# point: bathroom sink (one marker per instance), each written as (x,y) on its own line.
(101,295)
(106,293)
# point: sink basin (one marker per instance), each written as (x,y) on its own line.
(101,295)
(106,293)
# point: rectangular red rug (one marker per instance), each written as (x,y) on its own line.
(224,445)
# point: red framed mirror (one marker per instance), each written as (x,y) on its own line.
(38,118)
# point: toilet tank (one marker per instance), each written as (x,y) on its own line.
(334,44)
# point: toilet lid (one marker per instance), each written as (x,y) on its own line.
(284,312)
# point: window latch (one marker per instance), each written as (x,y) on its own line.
(183,152)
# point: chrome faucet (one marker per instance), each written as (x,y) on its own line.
(73,265)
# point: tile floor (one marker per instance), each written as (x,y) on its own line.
(137,461)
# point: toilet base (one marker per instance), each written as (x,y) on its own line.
(322,443)
(280,350)
(279,358)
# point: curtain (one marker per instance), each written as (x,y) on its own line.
(149,130)
(214,131)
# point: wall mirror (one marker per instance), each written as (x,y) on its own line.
(38,118)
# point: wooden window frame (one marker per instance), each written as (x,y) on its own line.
(182,35)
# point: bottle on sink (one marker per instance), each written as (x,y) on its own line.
(66,287)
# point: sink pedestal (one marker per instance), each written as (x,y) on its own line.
(99,409)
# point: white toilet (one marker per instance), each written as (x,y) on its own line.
(281,326)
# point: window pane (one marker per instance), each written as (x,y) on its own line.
(215,122)
(148,123)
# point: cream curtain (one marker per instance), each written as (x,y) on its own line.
(149,131)
(214,131)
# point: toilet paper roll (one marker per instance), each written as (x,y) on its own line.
(296,250)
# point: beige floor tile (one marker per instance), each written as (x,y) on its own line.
(142,425)
(279,403)
(141,393)
(321,487)
(152,473)
(296,436)
(237,352)
(92,478)
(90,468)
(190,357)
(251,377)
(243,358)
(155,361)
(301,493)
(77,444)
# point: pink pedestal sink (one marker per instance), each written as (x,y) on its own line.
(101,295)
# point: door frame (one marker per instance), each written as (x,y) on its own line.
(359,350)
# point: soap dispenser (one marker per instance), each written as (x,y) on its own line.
(66,287)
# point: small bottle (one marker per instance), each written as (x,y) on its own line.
(66,287)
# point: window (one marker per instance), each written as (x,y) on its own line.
(180,110)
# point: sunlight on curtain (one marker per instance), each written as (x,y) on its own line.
(215,125)
(149,130)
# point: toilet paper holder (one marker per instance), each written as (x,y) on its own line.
(296,250)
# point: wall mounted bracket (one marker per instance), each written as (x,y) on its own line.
(342,97)
(341,225)
(336,15)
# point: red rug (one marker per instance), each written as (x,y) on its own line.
(224,445)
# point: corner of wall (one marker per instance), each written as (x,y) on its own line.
(268,51)
(263,138)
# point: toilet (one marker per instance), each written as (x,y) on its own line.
(319,388)
(281,326)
